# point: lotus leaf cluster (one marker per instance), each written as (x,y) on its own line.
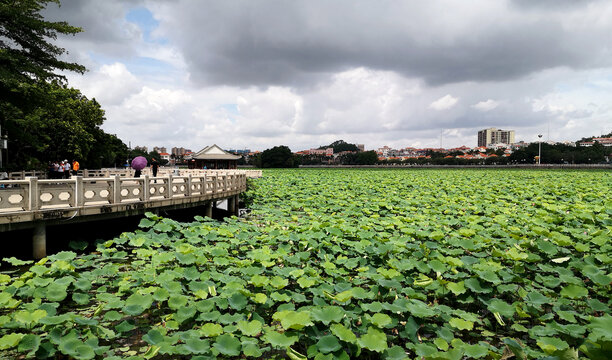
(339,264)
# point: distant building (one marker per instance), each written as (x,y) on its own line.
(141,148)
(165,156)
(160,149)
(239,152)
(490,136)
(179,151)
(602,140)
(361,147)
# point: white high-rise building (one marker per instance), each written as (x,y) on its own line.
(490,136)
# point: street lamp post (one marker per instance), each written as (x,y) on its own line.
(540,149)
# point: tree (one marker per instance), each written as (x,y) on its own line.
(278,157)
(67,126)
(340,146)
(26,55)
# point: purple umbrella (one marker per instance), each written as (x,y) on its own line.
(139,163)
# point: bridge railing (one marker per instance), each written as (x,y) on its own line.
(35,194)
(106,173)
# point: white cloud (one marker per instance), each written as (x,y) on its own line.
(444,103)
(486,105)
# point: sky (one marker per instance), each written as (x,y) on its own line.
(304,73)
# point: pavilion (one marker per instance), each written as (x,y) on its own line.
(213,157)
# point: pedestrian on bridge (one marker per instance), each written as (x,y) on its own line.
(66,169)
(75,167)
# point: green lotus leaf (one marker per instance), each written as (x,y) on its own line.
(80,298)
(238,301)
(419,309)
(185,313)
(176,302)
(461,324)
(136,304)
(328,314)
(211,330)
(550,344)
(475,351)
(10,340)
(278,282)
(250,328)
(293,319)
(56,292)
(76,348)
(154,337)
(374,340)
(29,343)
(395,353)
(29,318)
(259,280)
(306,282)
(601,328)
(125,326)
(457,288)
(502,307)
(574,291)
(328,343)
(227,345)
(279,340)
(198,346)
(64,256)
(380,320)
(343,333)
(251,350)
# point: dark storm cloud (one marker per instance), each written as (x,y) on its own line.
(291,43)
(103,24)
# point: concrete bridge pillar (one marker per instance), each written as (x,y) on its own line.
(231,205)
(208,209)
(236,205)
(39,241)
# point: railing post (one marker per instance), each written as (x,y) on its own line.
(225,182)
(33,194)
(188,193)
(116,189)
(85,173)
(215,181)
(79,192)
(145,188)
(170,192)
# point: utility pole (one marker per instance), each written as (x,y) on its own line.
(540,149)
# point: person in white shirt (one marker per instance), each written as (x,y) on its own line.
(67,169)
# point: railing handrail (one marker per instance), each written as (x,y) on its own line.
(34,194)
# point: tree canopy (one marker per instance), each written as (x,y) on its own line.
(27,55)
(340,146)
(278,157)
(66,127)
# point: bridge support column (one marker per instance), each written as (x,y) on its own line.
(236,205)
(231,205)
(39,241)
(208,209)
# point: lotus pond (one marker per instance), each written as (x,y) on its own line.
(339,264)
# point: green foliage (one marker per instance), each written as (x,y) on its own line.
(340,146)
(278,157)
(340,264)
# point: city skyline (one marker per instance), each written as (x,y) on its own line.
(190,74)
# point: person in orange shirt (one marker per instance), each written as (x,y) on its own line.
(75,167)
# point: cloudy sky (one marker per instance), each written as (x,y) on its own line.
(303,73)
